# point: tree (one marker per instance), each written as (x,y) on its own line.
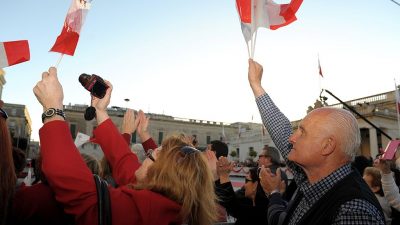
(252,153)
(233,154)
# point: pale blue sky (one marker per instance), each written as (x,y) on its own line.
(189,59)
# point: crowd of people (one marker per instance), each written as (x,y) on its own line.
(176,183)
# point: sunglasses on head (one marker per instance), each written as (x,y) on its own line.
(3,114)
(149,154)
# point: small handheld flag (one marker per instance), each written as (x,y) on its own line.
(319,68)
(68,39)
(264,13)
(14,52)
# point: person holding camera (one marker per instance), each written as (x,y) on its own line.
(319,153)
(249,204)
(158,191)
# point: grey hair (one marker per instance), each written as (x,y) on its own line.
(346,127)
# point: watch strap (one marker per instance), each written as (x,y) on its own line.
(50,112)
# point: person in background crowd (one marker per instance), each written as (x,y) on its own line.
(219,148)
(319,153)
(36,204)
(8,177)
(372,177)
(19,164)
(271,158)
(361,162)
(165,189)
(248,209)
(92,163)
(389,185)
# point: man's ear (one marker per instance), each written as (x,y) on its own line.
(328,146)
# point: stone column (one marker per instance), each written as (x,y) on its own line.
(373,142)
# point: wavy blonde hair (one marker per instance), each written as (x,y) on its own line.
(185,179)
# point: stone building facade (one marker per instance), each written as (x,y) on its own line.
(381,124)
(20,125)
(161,126)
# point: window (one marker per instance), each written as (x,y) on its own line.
(238,152)
(208,139)
(160,137)
(73,129)
(133,138)
(13,111)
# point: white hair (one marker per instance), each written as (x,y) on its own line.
(347,130)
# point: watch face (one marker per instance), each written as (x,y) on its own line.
(50,112)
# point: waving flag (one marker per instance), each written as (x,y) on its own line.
(13,52)
(265,13)
(68,39)
(319,68)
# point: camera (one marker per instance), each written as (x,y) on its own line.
(94,84)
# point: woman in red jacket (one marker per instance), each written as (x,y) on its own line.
(7,173)
(173,185)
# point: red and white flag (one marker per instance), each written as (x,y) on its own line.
(13,52)
(319,69)
(68,39)
(265,13)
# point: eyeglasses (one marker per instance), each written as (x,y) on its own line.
(247,180)
(149,154)
(3,114)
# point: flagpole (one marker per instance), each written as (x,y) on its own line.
(252,29)
(320,77)
(262,135)
(396,92)
(254,44)
(59,60)
(395,2)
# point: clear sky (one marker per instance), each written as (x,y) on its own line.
(189,59)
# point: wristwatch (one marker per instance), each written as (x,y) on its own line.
(50,112)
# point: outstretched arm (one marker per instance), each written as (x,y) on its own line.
(65,170)
(122,161)
(277,124)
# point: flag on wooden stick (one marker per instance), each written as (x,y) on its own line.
(68,39)
(14,52)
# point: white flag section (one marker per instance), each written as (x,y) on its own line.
(264,13)
(81,139)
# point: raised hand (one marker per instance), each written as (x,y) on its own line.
(255,76)
(129,122)
(49,91)
(101,104)
(224,168)
(269,181)
(382,165)
(142,126)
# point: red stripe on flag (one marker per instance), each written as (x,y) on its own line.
(244,10)
(68,39)
(66,42)
(17,51)
(288,12)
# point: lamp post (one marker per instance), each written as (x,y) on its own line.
(127,101)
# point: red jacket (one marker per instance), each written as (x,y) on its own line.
(36,205)
(74,185)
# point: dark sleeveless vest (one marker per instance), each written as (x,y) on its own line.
(324,211)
